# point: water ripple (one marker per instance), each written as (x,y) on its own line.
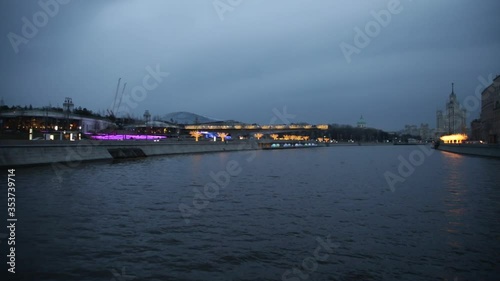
(441,223)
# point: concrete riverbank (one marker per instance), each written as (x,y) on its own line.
(23,153)
(26,153)
(485,150)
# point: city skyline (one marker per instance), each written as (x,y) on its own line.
(188,117)
(246,61)
(280,117)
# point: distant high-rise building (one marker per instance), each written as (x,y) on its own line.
(424,131)
(411,130)
(440,127)
(453,120)
(68,105)
(147,116)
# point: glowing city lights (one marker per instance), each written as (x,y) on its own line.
(196,134)
(456,138)
(127,137)
(223,135)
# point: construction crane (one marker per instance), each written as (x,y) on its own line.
(111,112)
(116,106)
(121,96)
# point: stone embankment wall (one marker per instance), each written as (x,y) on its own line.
(19,153)
(472,149)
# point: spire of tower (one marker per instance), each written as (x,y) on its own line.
(452,95)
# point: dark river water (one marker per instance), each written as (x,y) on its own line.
(333,213)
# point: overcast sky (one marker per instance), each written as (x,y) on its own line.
(230,59)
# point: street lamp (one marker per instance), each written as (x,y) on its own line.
(68,107)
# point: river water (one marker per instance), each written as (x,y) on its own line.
(332,213)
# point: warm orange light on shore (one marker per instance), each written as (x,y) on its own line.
(258,135)
(222,135)
(456,138)
(295,137)
(195,134)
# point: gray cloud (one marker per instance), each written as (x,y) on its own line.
(265,54)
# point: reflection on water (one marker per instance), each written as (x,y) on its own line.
(440,223)
(455,184)
(450,155)
(453,164)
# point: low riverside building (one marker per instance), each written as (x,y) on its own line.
(488,125)
(20,122)
(154,127)
(475,130)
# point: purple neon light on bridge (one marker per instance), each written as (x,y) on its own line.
(127,137)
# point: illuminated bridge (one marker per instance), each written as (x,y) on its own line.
(297,132)
(255,128)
